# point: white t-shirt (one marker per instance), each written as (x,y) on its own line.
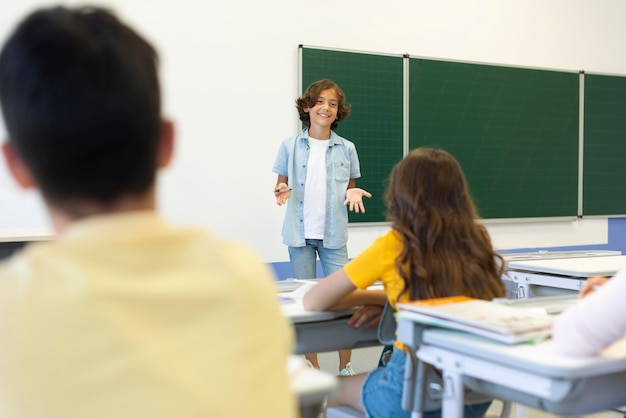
(315,189)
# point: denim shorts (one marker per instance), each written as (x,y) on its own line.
(381,395)
(304,259)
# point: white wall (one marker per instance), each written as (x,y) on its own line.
(229,71)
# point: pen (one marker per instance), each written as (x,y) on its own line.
(279,190)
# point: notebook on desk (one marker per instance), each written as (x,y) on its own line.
(510,324)
(290,285)
(573,267)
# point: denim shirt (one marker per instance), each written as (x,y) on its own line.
(342,164)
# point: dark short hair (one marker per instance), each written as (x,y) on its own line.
(311,95)
(80,95)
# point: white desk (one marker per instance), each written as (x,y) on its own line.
(551,255)
(318,332)
(310,386)
(536,276)
(531,375)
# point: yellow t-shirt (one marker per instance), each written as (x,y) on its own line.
(377,262)
(126,316)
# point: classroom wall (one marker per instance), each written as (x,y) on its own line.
(229,71)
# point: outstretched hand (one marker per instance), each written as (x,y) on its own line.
(354,199)
(282,193)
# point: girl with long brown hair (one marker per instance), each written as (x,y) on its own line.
(436,247)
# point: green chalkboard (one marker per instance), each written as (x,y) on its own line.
(373,85)
(604,173)
(513,130)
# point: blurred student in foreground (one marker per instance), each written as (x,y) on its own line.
(123,315)
(595,322)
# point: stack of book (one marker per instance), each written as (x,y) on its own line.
(505,323)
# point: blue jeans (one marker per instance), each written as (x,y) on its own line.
(304,259)
(381,395)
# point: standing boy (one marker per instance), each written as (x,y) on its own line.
(319,168)
(123,315)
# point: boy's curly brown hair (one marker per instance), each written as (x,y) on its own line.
(312,93)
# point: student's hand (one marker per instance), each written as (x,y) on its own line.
(282,193)
(368,315)
(354,198)
(592,284)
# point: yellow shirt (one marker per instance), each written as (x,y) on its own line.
(377,262)
(126,316)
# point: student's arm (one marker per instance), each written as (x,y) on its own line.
(337,292)
(354,197)
(282,190)
(595,322)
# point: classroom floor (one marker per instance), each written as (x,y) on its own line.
(364,359)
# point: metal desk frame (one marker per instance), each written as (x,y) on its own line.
(531,375)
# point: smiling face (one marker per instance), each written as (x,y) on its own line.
(324,111)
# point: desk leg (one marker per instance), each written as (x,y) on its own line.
(452,405)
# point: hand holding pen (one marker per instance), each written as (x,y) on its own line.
(282,193)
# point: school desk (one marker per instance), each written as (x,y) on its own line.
(528,374)
(311,386)
(318,332)
(551,276)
